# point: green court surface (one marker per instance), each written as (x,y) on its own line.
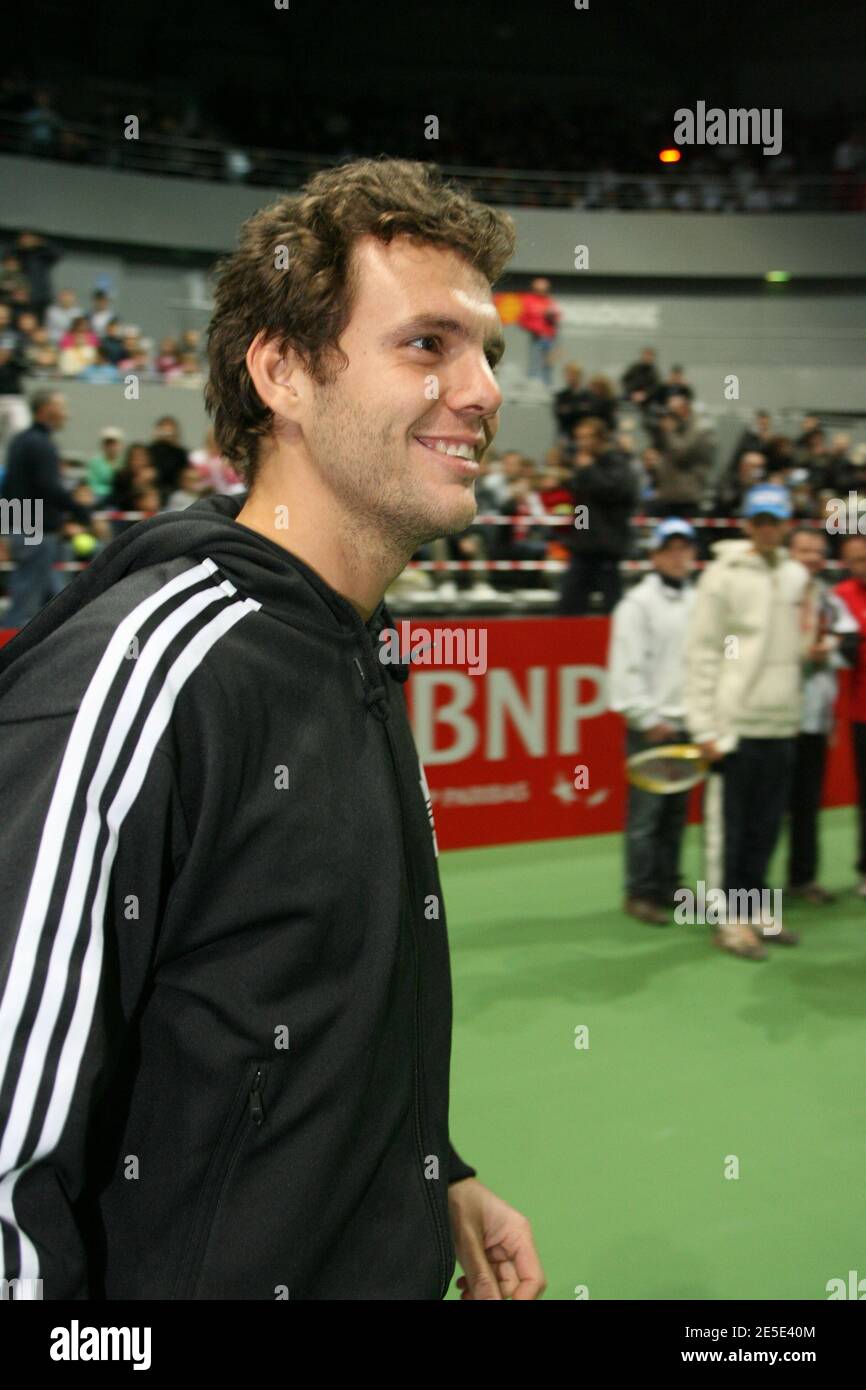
(617,1152)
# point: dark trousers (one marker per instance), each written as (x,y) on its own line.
(653,834)
(757,781)
(858,743)
(586,574)
(807,782)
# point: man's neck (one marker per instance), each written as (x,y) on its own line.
(311,524)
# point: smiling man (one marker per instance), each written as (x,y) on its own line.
(225,1022)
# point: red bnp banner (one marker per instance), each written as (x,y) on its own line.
(513,728)
(517,740)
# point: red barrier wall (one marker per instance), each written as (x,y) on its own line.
(500,747)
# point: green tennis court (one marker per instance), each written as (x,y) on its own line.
(617,1152)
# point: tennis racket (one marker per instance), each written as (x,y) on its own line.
(671,767)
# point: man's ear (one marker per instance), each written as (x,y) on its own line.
(279,377)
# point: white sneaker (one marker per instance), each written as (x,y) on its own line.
(482,592)
(447,590)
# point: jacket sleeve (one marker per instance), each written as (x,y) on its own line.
(457,1169)
(704,655)
(92,831)
(47,484)
(628,686)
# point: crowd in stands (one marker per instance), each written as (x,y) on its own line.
(45,334)
(619,449)
(246,140)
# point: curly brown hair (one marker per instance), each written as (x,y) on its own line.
(291,276)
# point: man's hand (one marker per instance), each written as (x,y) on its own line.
(660,733)
(709,751)
(494,1246)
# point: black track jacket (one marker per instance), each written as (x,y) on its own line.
(225,995)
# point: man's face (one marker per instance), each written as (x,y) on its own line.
(680,407)
(854,557)
(810,549)
(423,325)
(766,532)
(676,558)
(54,413)
(165,429)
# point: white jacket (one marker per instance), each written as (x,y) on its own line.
(646,661)
(750,630)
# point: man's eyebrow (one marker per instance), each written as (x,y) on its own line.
(494,343)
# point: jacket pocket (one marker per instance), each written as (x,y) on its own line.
(244,1119)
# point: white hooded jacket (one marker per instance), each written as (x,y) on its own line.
(751,628)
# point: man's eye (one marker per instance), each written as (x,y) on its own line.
(426,338)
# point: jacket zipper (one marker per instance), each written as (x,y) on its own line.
(249,1101)
(441,1242)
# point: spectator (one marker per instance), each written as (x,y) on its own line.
(190,374)
(37,257)
(43,124)
(841,472)
(675,384)
(753,625)
(103,468)
(814,456)
(167,361)
(12,278)
(41,355)
(219,476)
(852,592)
(62,314)
(113,344)
(647,681)
(101,371)
(602,485)
(32,477)
(191,488)
(686,452)
(750,471)
(167,454)
(754,437)
(601,400)
(522,540)
(136,473)
(641,380)
(837,644)
(101,312)
(77,349)
(14,414)
(539,317)
(570,405)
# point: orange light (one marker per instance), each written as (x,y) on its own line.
(670,156)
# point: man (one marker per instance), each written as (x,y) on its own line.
(571,404)
(604,491)
(647,677)
(33,480)
(752,626)
(754,438)
(62,314)
(686,452)
(674,385)
(641,380)
(838,642)
(238,863)
(852,592)
(539,317)
(169,456)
